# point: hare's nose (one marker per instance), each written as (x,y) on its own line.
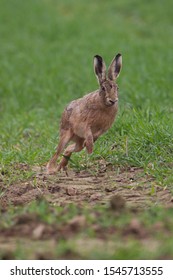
(112,101)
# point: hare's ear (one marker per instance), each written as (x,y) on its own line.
(99,68)
(115,67)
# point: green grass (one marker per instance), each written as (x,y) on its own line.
(46,57)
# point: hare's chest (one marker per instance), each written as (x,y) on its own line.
(102,122)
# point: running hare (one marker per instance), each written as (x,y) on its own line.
(86,118)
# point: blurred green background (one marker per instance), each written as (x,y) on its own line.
(46,60)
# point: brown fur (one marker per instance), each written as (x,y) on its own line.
(86,118)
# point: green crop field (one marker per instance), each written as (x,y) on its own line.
(46,60)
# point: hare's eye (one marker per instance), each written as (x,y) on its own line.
(103,88)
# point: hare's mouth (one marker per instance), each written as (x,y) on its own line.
(111,102)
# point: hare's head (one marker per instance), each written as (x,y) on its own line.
(108,87)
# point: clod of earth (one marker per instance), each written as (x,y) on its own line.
(117,202)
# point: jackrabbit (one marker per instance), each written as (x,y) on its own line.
(86,118)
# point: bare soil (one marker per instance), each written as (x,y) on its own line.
(115,188)
(133,185)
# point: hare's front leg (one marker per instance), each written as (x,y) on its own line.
(89,142)
(64,139)
(76,147)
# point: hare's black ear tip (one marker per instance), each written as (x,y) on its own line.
(97,56)
(98,59)
(118,55)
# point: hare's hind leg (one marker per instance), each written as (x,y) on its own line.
(64,139)
(76,147)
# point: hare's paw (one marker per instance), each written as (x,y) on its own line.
(62,165)
(51,168)
(89,149)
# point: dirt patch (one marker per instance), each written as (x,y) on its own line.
(131,191)
(136,188)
